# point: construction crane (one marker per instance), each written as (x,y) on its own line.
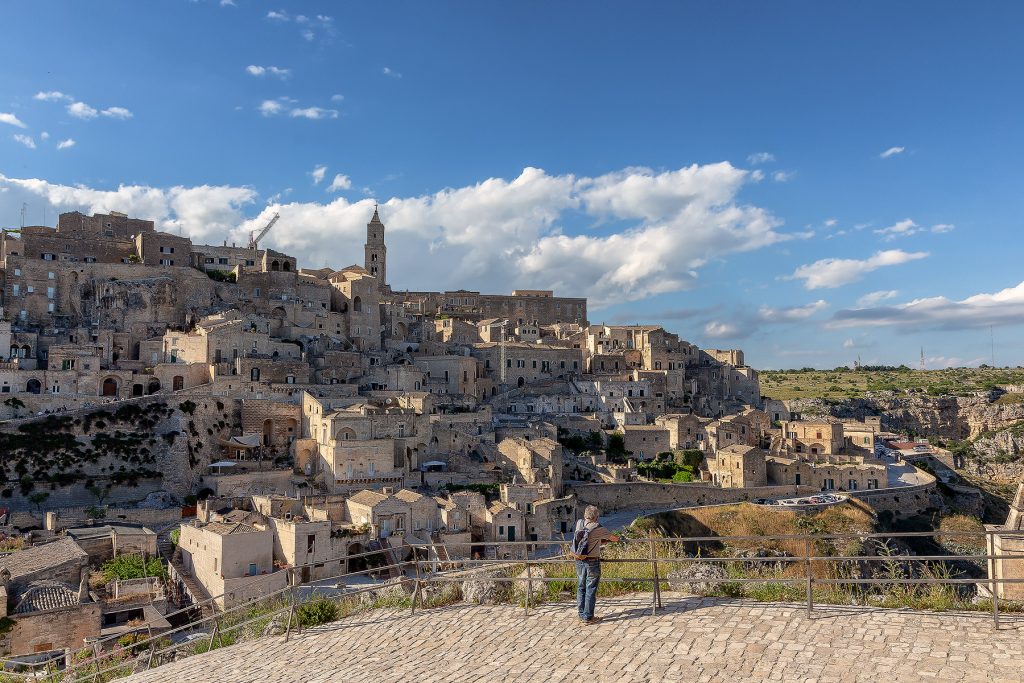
(254,241)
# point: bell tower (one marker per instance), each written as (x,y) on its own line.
(376,251)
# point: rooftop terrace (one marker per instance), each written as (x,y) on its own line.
(690,639)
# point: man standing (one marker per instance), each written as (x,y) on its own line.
(587,542)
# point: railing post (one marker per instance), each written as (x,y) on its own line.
(416,588)
(656,592)
(990,544)
(810,577)
(529,583)
(213,636)
(291,606)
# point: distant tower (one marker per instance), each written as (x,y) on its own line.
(376,251)
(922,358)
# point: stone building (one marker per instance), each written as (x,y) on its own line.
(1008,541)
(44,591)
(738,466)
(850,476)
(233,561)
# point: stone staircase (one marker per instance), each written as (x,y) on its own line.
(183,588)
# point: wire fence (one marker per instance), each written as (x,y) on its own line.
(814,569)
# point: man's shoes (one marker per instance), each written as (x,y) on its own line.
(592,620)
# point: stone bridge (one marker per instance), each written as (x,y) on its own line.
(690,639)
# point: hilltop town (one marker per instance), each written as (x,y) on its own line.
(251,422)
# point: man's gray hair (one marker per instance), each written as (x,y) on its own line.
(591,513)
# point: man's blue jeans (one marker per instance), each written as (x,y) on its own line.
(588,574)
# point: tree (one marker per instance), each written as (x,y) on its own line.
(99,492)
(38,498)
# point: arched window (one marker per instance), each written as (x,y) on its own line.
(287,266)
(357,305)
(34,386)
(275,265)
(110,387)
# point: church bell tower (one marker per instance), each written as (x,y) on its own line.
(376,251)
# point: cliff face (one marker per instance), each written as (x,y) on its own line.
(949,417)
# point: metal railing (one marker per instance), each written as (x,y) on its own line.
(531,568)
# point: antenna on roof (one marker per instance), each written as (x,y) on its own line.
(24,208)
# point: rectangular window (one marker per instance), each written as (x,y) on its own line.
(49,308)
(208,259)
(253,569)
(50,291)
(15,290)
(30,289)
(222,261)
(17,271)
(49,275)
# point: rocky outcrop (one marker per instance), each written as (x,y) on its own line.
(999,457)
(949,417)
(697,577)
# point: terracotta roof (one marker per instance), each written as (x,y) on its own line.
(367,497)
(228,528)
(46,595)
(42,557)
(498,506)
(409,496)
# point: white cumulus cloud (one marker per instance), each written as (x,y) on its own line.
(256,70)
(314,113)
(1005,307)
(907,227)
(760,158)
(65,144)
(891,152)
(637,232)
(11,120)
(340,182)
(52,96)
(872,298)
(81,110)
(318,174)
(791,313)
(836,272)
(270,107)
(205,212)
(117,113)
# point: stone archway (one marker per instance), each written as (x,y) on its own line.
(178,383)
(109,387)
(153,386)
(34,386)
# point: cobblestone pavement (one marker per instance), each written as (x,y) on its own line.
(690,639)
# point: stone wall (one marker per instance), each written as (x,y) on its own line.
(68,517)
(52,630)
(905,500)
(645,495)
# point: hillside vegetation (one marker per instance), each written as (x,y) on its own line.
(846,383)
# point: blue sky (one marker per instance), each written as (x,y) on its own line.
(811,182)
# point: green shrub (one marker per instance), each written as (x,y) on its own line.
(317,611)
(132,567)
